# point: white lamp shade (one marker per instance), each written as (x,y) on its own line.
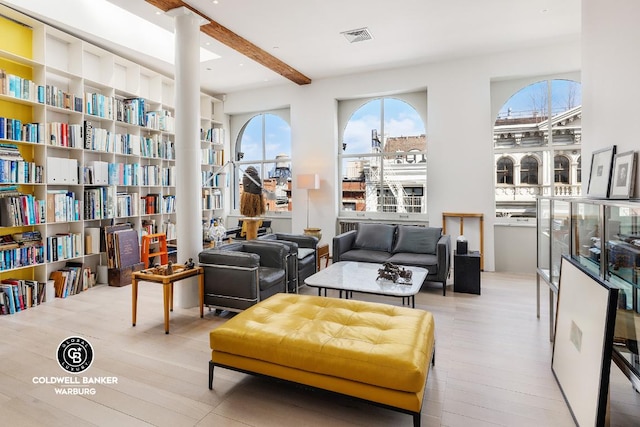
(308,181)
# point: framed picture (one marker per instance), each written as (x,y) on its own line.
(600,174)
(624,175)
(581,361)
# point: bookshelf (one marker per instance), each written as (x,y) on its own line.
(99,130)
(212,143)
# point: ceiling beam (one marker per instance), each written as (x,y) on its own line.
(236,42)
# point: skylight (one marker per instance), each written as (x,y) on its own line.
(111,22)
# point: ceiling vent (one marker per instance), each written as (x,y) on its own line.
(359,35)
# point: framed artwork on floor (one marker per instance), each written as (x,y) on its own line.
(581,361)
(624,175)
(600,173)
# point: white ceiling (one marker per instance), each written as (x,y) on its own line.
(306,34)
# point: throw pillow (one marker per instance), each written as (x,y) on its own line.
(417,240)
(376,237)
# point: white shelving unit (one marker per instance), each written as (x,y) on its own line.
(139,156)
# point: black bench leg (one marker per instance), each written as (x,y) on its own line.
(416,419)
(210,375)
(444,288)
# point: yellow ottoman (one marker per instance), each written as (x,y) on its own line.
(376,352)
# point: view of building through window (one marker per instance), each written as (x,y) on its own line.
(537,146)
(265,143)
(383,159)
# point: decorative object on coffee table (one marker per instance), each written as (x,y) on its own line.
(394,273)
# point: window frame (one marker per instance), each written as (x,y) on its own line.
(346,108)
(238,124)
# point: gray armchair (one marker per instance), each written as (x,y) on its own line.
(238,275)
(305,262)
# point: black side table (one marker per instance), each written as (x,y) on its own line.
(466,272)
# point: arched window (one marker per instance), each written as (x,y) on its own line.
(529,170)
(539,127)
(383,155)
(560,169)
(264,142)
(504,171)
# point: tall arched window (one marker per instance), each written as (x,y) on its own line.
(579,170)
(539,127)
(264,142)
(504,171)
(529,170)
(561,169)
(382,156)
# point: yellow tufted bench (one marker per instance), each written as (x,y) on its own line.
(375,352)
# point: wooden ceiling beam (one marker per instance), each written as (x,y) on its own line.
(236,42)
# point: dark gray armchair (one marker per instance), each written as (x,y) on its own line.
(305,260)
(238,275)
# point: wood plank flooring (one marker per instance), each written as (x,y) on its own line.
(492,367)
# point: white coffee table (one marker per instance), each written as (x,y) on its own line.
(352,276)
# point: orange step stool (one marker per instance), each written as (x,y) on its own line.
(145,250)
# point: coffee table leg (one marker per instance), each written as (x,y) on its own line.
(166,296)
(134,300)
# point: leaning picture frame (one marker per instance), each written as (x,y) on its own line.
(583,343)
(600,172)
(624,175)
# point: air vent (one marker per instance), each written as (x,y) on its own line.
(359,35)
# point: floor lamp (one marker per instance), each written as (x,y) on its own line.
(309,182)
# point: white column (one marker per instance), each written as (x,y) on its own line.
(187,146)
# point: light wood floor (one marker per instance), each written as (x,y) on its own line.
(492,367)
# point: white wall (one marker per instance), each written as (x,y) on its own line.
(610,78)
(459,128)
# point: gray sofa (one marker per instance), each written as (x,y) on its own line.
(410,245)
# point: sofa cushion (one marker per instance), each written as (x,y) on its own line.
(377,237)
(428,261)
(418,240)
(365,255)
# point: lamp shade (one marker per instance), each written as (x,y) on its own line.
(308,181)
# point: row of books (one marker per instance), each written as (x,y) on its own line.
(56,97)
(64,246)
(212,199)
(220,180)
(26,89)
(128,174)
(160,120)
(97,104)
(169,228)
(209,156)
(15,130)
(99,203)
(21,209)
(21,254)
(72,279)
(21,88)
(213,135)
(65,134)
(20,172)
(130,110)
(62,206)
(127,204)
(18,295)
(158,149)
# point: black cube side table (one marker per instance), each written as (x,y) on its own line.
(466,272)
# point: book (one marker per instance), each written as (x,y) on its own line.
(127,248)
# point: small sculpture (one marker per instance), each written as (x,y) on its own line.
(252,203)
(394,273)
(189,264)
(169,268)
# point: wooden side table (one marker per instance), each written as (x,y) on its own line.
(167,289)
(322,252)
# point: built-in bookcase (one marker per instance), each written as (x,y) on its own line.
(104,141)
